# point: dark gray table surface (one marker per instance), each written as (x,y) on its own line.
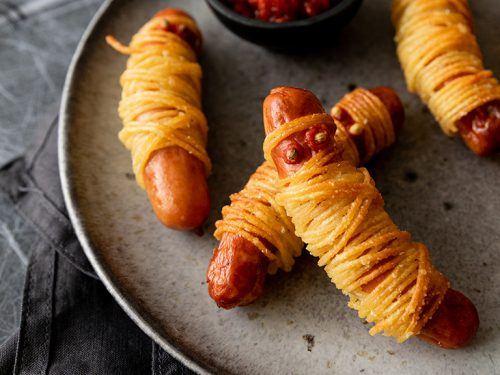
(37,40)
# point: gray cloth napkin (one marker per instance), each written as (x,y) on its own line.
(70,324)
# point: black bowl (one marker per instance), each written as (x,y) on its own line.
(294,35)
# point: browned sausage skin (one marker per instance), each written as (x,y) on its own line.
(193,38)
(230,286)
(175,180)
(393,104)
(480,129)
(177,188)
(236,273)
(293,104)
(456,321)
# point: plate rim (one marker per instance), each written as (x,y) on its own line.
(65,175)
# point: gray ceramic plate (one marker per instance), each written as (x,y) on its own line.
(433,187)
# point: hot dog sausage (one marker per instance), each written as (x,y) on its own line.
(480,129)
(456,321)
(228,284)
(175,181)
(177,188)
(236,273)
(192,37)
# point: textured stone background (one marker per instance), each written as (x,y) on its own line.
(37,40)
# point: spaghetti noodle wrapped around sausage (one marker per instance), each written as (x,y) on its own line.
(442,62)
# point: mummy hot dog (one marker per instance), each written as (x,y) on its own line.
(442,62)
(164,127)
(339,214)
(256,235)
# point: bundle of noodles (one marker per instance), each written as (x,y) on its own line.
(442,62)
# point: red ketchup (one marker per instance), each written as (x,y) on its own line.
(280,10)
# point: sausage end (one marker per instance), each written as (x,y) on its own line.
(393,104)
(177,188)
(236,273)
(480,129)
(454,324)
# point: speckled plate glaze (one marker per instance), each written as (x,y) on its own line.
(433,186)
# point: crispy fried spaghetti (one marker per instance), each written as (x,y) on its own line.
(254,213)
(372,121)
(161,98)
(339,214)
(441,59)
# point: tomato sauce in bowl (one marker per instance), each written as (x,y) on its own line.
(286,25)
(280,10)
